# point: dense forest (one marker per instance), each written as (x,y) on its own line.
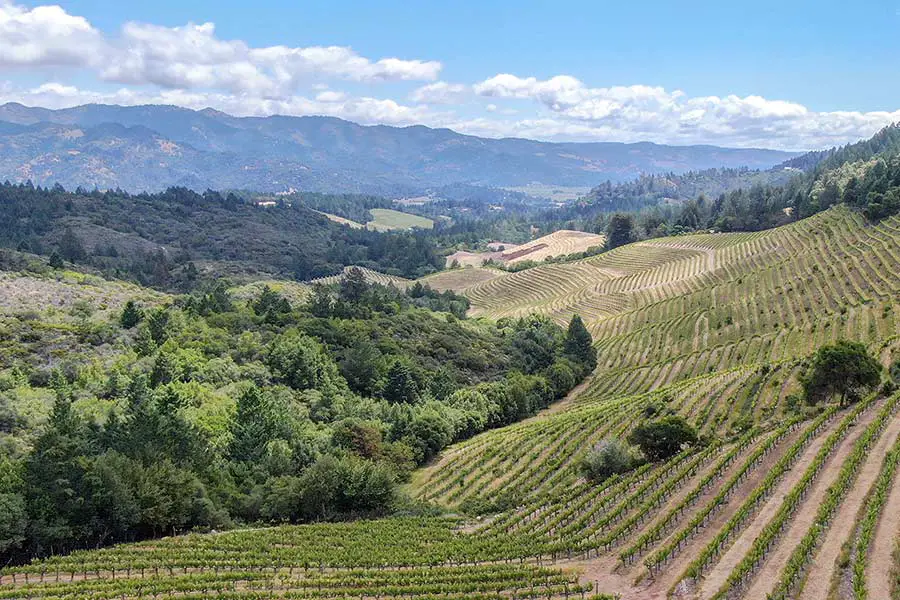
(203,411)
(171,239)
(865,175)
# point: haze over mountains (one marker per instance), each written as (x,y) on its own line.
(152,147)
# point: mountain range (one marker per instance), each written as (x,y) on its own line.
(148,148)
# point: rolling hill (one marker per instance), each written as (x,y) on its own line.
(784,502)
(148,148)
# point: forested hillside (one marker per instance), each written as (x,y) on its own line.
(174,238)
(864,175)
(127,414)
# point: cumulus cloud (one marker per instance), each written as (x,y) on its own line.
(331,96)
(439,92)
(185,57)
(45,36)
(639,112)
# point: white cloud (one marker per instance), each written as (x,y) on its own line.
(330,96)
(639,112)
(292,65)
(439,92)
(189,56)
(45,36)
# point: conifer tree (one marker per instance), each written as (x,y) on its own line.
(131,315)
(578,344)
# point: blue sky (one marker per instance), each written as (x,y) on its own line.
(791,75)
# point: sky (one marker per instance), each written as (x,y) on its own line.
(791,75)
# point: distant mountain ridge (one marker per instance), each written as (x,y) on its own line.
(151,147)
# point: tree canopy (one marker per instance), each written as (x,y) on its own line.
(845,370)
(664,437)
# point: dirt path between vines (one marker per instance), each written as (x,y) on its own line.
(879,576)
(767,577)
(673,570)
(844,523)
(714,579)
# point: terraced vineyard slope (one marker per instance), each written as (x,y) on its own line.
(716,327)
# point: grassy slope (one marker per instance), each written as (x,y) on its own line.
(342,220)
(386,219)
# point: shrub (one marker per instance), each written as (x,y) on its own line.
(606,459)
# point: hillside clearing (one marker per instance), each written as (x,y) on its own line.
(385,219)
(459,280)
(341,220)
(558,243)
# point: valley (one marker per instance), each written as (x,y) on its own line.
(714,327)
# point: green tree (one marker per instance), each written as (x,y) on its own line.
(475,410)
(400,386)
(70,246)
(300,361)
(361,365)
(578,344)
(165,369)
(534,343)
(255,424)
(430,431)
(844,369)
(131,315)
(341,486)
(321,301)
(663,438)
(620,230)
(362,438)
(269,303)
(561,376)
(353,288)
(158,324)
(53,481)
(13,518)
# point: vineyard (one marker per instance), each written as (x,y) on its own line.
(370,277)
(716,327)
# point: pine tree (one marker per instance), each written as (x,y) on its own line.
(254,425)
(620,230)
(401,386)
(131,315)
(578,344)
